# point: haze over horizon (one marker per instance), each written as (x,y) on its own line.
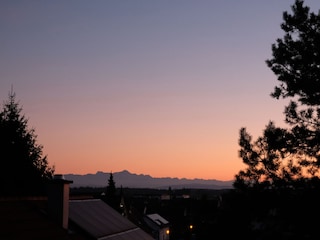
(127,179)
(155,87)
(141,174)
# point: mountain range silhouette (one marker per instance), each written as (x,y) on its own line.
(132,180)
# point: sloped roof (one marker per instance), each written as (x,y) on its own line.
(156,218)
(102,222)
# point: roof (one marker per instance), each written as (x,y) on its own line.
(157,219)
(102,222)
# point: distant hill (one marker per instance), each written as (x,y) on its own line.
(131,180)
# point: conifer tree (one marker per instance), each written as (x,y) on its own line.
(289,157)
(111,187)
(24,170)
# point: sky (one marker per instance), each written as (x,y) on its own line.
(153,87)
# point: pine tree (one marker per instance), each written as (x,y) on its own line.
(111,188)
(289,157)
(24,170)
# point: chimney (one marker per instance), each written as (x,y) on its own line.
(58,200)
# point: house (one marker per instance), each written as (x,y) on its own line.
(26,218)
(158,225)
(57,217)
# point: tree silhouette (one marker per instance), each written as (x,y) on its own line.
(289,157)
(111,187)
(110,196)
(270,160)
(24,170)
(296,63)
(296,56)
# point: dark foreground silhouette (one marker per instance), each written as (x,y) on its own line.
(222,214)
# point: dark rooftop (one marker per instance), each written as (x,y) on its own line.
(102,222)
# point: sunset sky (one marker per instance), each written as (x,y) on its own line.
(153,87)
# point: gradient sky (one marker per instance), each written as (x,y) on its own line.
(154,87)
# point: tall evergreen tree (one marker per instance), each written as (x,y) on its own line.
(111,187)
(24,170)
(296,63)
(285,157)
(295,57)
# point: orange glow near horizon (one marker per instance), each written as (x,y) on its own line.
(161,159)
(159,149)
(146,141)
